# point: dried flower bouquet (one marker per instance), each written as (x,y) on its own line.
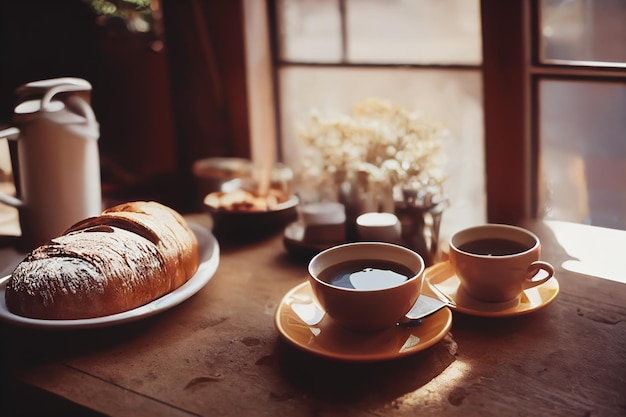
(383,157)
(381,141)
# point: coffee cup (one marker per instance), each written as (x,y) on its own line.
(379,227)
(496,262)
(366,286)
(323,222)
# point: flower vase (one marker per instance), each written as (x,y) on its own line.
(420,218)
(357,199)
(362,195)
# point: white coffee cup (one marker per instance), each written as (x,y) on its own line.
(321,213)
(58,173)
(323,222)
(379,227)
(490,273)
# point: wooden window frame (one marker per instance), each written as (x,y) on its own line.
(508,150)
(511,73)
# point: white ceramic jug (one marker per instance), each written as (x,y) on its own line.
(58,173)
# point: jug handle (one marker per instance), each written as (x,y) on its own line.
(10,133)
(11,201)
(81,105)
(61,88)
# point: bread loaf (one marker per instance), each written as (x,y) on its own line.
(130,255)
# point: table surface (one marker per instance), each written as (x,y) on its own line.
(219,353)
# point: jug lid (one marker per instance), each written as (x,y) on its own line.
(62,101)
(47,90)
(40,87)
(34,106)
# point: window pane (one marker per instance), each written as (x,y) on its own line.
(583,146)
(414,31)
(453,98)
(309,31)
(584,30)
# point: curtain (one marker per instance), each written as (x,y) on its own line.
(163,98)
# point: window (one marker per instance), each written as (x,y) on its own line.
(579,78)
(532,91)
(426,56)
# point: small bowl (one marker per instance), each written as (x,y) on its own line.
(210,174)
(249,225)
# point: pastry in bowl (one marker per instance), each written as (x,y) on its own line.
(244,214)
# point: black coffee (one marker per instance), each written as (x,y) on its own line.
(366,274)
(493,247)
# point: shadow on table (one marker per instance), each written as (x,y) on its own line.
(23,348)
(366,384)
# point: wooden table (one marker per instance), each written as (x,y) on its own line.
(219,353)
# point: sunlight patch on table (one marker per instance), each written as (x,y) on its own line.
(603,257)
(442,385)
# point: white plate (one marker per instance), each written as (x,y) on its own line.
(209,260)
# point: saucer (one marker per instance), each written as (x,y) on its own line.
(293,239)
(303,324)
(443,278)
